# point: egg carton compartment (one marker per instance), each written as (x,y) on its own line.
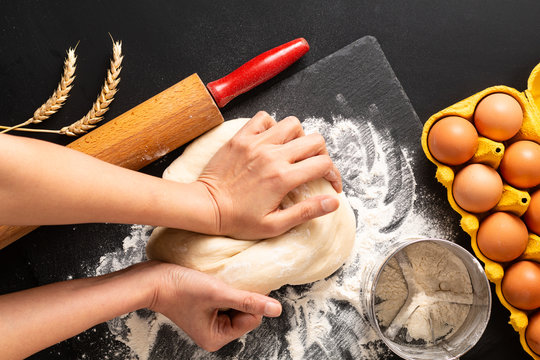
(513,200)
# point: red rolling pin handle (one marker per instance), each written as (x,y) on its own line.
(256,71)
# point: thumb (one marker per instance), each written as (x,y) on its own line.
(251,303)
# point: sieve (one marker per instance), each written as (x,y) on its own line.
(449,347)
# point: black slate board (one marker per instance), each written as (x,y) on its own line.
(358,73)
(361,74)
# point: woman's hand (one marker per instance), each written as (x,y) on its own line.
(238,194)
(192,300)
(40,317)
(250,175)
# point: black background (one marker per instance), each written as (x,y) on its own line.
(441,52)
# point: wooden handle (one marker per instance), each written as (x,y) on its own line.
(9,234)
(145,133)
(154,128)
(257,70)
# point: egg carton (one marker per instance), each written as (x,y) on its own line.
(513,200)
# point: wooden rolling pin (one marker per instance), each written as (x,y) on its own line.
(172,118)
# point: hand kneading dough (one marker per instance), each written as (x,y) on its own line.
(306,253)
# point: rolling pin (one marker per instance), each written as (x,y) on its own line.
(172,118)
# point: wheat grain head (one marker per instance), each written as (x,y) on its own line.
(59,96)
(104,99)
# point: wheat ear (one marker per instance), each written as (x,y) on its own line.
(59,96)
(104,99)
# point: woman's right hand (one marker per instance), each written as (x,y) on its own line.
(249,176)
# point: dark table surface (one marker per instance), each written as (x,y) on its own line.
(441,52)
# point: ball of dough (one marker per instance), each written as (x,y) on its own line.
(306,253)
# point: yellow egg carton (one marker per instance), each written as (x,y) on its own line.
(513,200)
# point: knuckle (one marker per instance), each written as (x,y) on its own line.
(249,303)
(251,148)
(266,156)
(273,228)
(214,289)
(280,174)
(293,121)
(213,293)
(326,163)
(240,143)
(307,212)
(319,139)
(261,114)
(236,141)
(264,118)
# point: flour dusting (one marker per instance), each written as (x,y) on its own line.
(133,251)
(325,319)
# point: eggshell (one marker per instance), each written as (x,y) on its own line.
(521,285)
(498,116)
(453,140)
(532,335)
(520,166)
(502,237)
(532,216)
(477,188)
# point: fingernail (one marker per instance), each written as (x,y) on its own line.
(272,309)
(328,205)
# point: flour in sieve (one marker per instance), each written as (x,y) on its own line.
(437,287)
(326,319)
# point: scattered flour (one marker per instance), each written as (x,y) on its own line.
(326,319)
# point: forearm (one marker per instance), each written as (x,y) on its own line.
(34,319)
(43,184)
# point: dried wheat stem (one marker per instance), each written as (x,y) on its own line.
(106,96)
(32,130)
(59,96)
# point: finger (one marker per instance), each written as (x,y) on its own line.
(303,211)
(233,324)
(284,131)
(304,147)
(258,124)
(337,183)
(251,303)
(243,322)
(226,327)
(334,177)
(308,146)
(315,167)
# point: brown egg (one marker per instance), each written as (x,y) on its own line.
(502,237)
(532,216)
(453,140)
(498,116)
(532,333)
(520,165)
(477,188)
(521,285)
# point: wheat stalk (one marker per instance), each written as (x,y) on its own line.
(99,108)
(104,99)
(57,99)
(30,130)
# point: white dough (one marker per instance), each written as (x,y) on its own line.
(306,253)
